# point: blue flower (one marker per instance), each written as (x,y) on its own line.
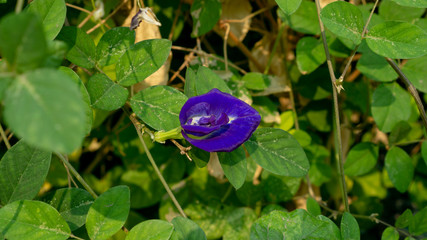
(217,121)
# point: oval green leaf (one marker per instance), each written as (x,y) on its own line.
(81,46)
(412,3)
(108,213)
(289,6)
(185,229)
(151,230)
(397,40)
(304,19)
(159,106)
(390,105)
(394,10)
(399,168)
(361,159)
(113,45)
(310,54)
(256,81)
(142,60)
(416,71)
(349,227)
(106,94)
(205,14)
(52,12)
(28,220)
(343,19)
(23,170)
(375,67)
(404,219)
(418,224)
(234,166)
(390,233)
(22,42)
(72,204)
(85,96)
(278,152)
(53,108)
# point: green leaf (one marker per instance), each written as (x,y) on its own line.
(27,220)
(141,60)
(106,94)
(234,166)
(256,81)
(399,168)
(416,72)
(278,152)
(418,223)
(294,225)
(151,230)
(159,106)
(72,204)
(53,108)
(56,52)
(410,3)
(375,67)
(349,227)
(289,6)
(212,218)
(390,105)
(205,14)
(85,96)
(361,159)
(313,207)
(239,223)
(390,234)
(394,10)
(397,40)
(404,219)
(81,46)
(22,42)
(52,12)
(343,19)
(108,213)
(185,229)
(203,82)
(190,83)
(23,170)
(310,54)
(304,19)
(279,188)
(113,44)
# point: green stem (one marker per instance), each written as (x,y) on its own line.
(4,137)
(156,169)
(276,43)
(77,175)
(18,6)
(337,133)
(411,90)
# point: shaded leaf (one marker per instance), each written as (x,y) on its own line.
(81,46)
(108,213)
(159,106)
(375,67)
(52,12)
(53,108)
(400,168)
(397,40)
(310,54)
(234,166)
(106,94)
(23,170)
(416,72)
(185,229)
(349,227)
(418,223)
(394,10)
(205,14)
(113,44)
(343,19)
(278,152)
(151,230)
(361,159)
(141,60)
(28,220)
(404,219)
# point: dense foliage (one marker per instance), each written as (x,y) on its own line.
(213,119)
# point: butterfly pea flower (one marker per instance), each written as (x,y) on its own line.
(217,121)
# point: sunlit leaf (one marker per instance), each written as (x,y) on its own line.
(106,94)
(81,46)
(205,14)
(52,13)
(151,229)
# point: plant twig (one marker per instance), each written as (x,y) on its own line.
(18,6)
(78,8)
(4,137)
(76,174)
(337,133)
(411,90)
(365,29)
(273,51)
(227,32)
(139,131)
